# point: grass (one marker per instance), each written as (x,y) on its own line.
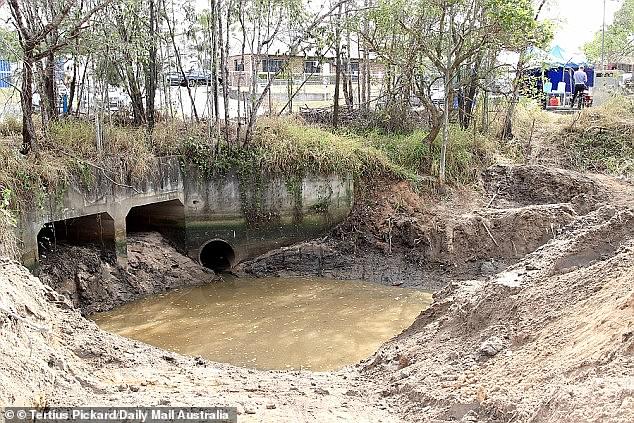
(597,139)
(10,126)
(280,146)
(602,138)
(289,146)
(467,153)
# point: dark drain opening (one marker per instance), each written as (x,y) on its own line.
(217,255)
(94,229)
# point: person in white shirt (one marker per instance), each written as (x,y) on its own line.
(580,78)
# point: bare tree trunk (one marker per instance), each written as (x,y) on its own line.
(216,23)
(48,99)
(335,109)
(179,63)
(224,54)
(151,72)
(445,125)
(134,91)
(507,128)
(82,86)
(73,88)
(29,140)
(347,82)
(244,42)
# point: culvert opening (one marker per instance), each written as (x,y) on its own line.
(217,255)
(166,218)
(95,229)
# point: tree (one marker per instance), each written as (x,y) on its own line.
(10,44)
(43,30)
(619,38)
(540,36)
(423,42)
(298,31)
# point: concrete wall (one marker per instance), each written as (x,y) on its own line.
(253,214)
(258,214)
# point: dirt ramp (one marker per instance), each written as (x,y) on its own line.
(535,184)
(484,234)
(33,362)
(538,342)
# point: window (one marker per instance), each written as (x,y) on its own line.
(5,74)
(354,68)
(272,65)
(312,66)
(238,65)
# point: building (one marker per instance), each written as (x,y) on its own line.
(306,78)
(5,74)
(623,65)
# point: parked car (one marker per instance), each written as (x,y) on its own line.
(175,79)
(199,77)
(192,77)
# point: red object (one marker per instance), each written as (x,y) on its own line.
(554,101)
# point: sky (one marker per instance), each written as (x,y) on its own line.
(578,20)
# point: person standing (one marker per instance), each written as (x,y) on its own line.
(580,79)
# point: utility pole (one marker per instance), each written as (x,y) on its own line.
(603,39)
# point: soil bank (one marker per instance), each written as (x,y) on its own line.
(548,338)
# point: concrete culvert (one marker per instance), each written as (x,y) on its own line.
(217,255)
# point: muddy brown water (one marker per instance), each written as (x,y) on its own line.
(271,323)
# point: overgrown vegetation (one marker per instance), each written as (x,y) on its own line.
(10,126)
(280,146)
(598,139)
(601,139)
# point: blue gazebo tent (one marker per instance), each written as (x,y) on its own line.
(556,66)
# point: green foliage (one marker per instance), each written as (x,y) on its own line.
(8,240)
(619,44)
(285,146)
(23,182)
(125,147)
(467,153)
(291,148)
(9,44)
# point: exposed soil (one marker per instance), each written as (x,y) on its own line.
(94,282)
(51,355)
(550,339)
(425,240)
(533,322)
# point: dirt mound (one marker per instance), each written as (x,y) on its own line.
(549,339)
(535,184)
(95,282)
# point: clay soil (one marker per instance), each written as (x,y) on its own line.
(532,320)
(93,281)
